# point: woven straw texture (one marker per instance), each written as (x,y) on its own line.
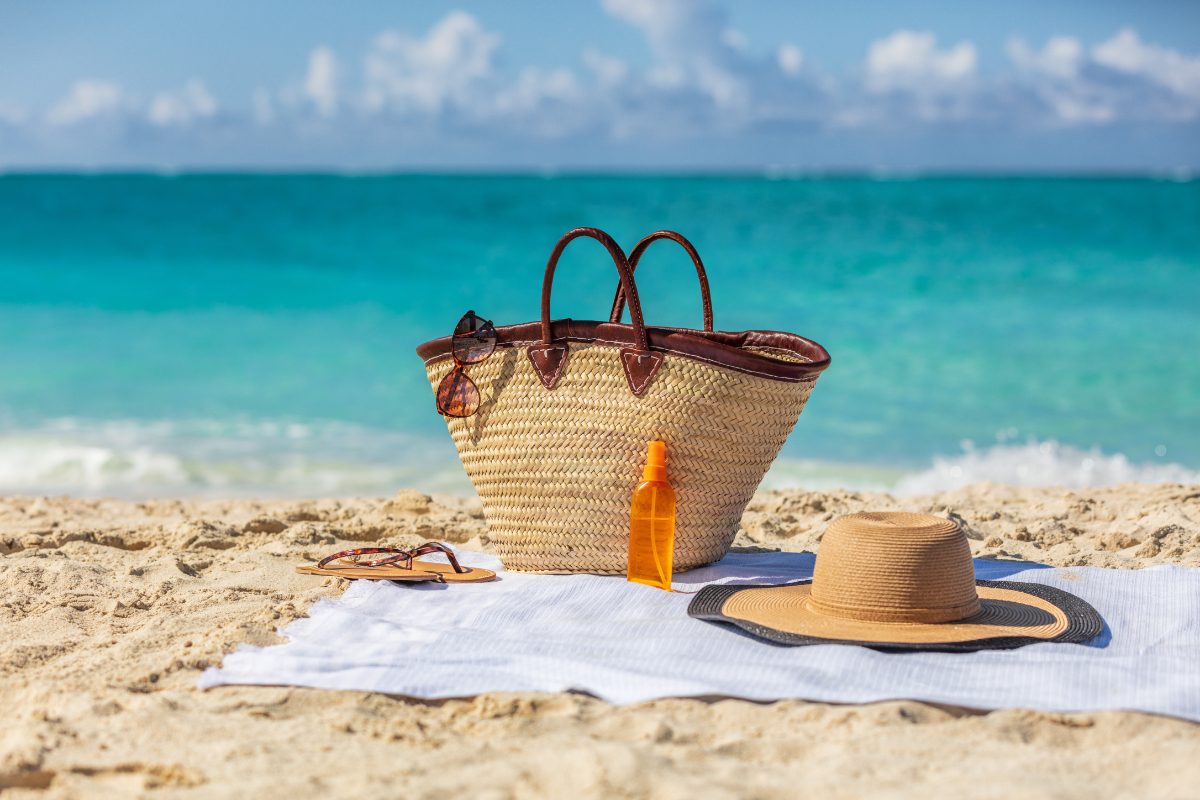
(895,567)
(556,469)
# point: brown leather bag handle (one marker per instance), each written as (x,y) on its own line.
(636,254)
(549,359)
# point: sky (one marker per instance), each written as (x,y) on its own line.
(993,86)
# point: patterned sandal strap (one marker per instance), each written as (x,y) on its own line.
(394,555)
(438,547)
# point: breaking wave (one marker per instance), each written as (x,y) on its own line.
(1033,463)
(139,459)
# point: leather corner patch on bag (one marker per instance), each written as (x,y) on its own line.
(548,362)
(640,368)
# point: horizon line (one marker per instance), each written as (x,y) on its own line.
(769,172)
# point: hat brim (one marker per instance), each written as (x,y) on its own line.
(1012,615)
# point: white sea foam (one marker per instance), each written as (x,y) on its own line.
(129,458)
(1039,464)
(136,458)
(1030,464)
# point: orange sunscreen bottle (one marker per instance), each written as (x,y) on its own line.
(652,523)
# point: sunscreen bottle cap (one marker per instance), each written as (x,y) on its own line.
(656,462)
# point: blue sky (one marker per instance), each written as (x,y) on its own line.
(603,84)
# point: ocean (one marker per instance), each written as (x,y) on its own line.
(221,335)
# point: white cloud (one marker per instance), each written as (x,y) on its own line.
(321,82)
(88,99)
(790,59)
(1121,78)
(660,19)
(1126,52)
(692,46)
(1061,56)
(907,79)
(450,77)
(546,103)
(706,78)
(182,107)
(911,61)
(450,66)
(608,71)
(1055,78)
(735,39)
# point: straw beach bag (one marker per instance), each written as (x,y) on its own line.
(567,408)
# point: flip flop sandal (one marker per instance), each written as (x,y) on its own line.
(398,565)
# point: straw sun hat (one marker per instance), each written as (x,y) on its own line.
(900,581)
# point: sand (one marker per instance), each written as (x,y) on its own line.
(109,610)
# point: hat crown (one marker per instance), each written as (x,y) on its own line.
(895,567)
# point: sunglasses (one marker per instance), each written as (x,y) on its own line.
(473,341)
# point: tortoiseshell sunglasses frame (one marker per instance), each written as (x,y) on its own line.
(457,394)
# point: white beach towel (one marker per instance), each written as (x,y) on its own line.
(627,643)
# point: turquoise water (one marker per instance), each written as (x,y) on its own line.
(255,334)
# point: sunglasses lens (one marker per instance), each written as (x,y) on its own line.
(457,395)
(474,339)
